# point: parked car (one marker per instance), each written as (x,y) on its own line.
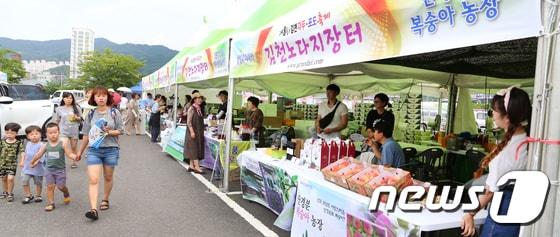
(24,104)
(480,115)
(56,97)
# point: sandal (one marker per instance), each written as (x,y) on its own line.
(199,171)
(4,195)
(50,207)
(10,197)
(27,200)
(92,214)
(38,199)
(67,200)
(104,205)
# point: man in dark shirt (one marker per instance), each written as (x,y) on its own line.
(223,96)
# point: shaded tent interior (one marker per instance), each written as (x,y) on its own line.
(508,59)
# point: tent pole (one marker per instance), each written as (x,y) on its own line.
(546,100)
(228,129)
(452,100)
(439,104)
(175,102)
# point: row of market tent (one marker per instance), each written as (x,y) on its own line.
(296,48)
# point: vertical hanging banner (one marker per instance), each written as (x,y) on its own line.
(159,78)
(180,63)
(173,73)
(169,72)
(154,80)
(327,33)
(146,83)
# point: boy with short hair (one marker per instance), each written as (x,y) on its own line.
(390,154)
(31,148)
(55,165)
(9,150)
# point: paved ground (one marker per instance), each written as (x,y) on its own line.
(153,196)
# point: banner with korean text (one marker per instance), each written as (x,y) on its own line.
(191,66)
(326,33)
(211,62)
(324,211)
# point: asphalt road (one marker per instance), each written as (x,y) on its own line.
(152,196)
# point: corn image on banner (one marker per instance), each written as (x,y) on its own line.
(146,85)
(318,33)
(208,63)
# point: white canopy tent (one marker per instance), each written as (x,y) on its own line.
(253,63)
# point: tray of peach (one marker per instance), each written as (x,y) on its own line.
(399,181)
(356,183)
(330,170)
(399,178)
(343,175)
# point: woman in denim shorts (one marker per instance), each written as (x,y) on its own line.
(105,156)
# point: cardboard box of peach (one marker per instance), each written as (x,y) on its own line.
(363,178)
(342,170)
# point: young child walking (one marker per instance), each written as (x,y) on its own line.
(55,165)
(36,174)
(9,150)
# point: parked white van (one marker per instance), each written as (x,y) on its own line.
(24,104)
(56,97)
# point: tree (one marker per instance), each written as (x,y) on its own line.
(12,67)
(52,86)
(70,84)
(108,69)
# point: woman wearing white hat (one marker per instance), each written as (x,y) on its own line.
(194,137)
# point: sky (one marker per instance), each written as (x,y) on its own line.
(173,23)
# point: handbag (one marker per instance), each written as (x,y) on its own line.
(326,121)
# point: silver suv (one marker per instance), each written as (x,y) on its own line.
(24,104)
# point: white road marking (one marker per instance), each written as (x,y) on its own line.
(258,225)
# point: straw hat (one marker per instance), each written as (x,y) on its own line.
(196,95)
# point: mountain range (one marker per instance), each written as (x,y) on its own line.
(153,56)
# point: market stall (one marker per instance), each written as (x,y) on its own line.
(283,37)
(308,35)
(322,207)
(215,150)
(191,65)
(202,67)
(340,212)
